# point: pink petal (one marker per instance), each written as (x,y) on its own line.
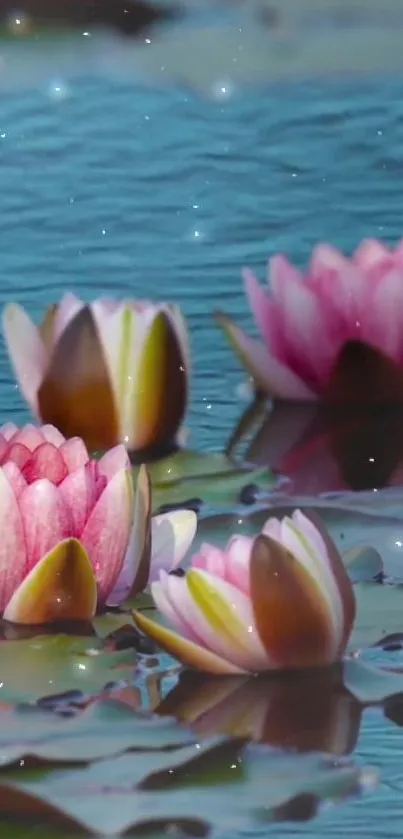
(29,436)
(270,375)
(160,590)
(384,320)
(53,435)
(243,649)
(343,291)
(13,558)
(8,430)
(4,446)
(18,453)
(171,537)
(26,350)
(372,255)
(113,461)
(267,314)
(211,559)
(107,532)
(46,519)
(45,462)
(237,563)
(309,347)
(79,493)
(15,478)
(68,308)
(74,453)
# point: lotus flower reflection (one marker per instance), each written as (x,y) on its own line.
(283,600)
(108,372)
(74,533)
(306,321)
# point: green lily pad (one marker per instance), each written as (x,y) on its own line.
(51,664)
(206,478)
(103,729)
(217,784)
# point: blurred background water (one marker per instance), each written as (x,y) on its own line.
(106,186)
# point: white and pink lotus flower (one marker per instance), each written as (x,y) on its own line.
(282,600)
(306,321)
(75,534)
(109,372)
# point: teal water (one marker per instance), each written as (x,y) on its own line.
(106,187)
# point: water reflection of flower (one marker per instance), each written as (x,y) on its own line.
(321,448)
(305,711)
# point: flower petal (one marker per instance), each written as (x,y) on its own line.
(223,618)
(70,305)
(186,651)
(74,453)
(171,537)
(13,558)
(114,460)
(163,593)
(291,614)
(160,392)
(237,563)
(61,587)
(52,435)
(79,493)
(269,374)
(136,569)
(76,394)
(8,430)
(27,351)
(45,462)
(18,454)
(340,574)
(46,519)
(304,547)
(266,313)
(15,478)
(107,532)
(29,436)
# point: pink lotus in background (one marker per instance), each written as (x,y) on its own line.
(110,372)
(305,321)
(74,533)
(283,600)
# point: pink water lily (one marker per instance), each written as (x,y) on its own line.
(282,600)
(305,321)
(75,534)
(110,372)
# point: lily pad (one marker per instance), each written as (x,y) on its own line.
(203,479)
(103,729)
(37,667)
(379,613)
(217,783)
(371,685)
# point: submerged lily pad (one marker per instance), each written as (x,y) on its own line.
(35,667)
(103,729)
(216,783)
